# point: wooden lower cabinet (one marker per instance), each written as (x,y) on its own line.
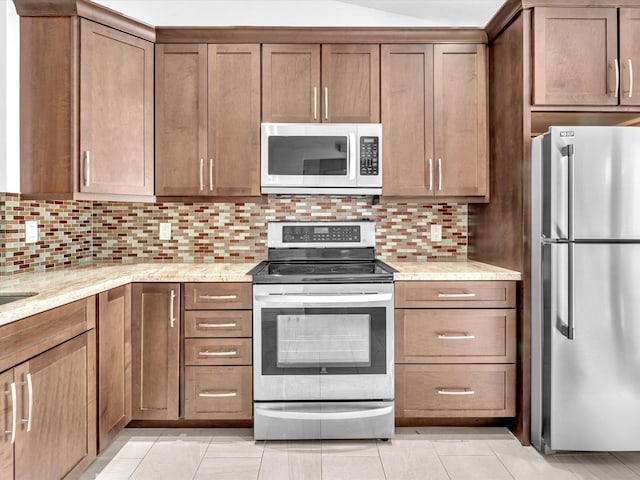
(114,363)
(218,392)
(155,339)
(7,400)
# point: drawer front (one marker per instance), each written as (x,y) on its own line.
(455,336)
(218,393)
(217,296)
(478,294)
(217,351)
(455,390)
(217,323)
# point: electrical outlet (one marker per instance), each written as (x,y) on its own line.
(165,231)
(31,231)
(436,233)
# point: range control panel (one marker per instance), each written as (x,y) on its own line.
(324,234)
(368,155)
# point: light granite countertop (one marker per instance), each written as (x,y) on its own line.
(58,287)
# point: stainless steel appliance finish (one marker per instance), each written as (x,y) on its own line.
(323,334)
(321,158)
(585,305)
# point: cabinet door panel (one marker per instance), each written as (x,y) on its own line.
(350,83)
(629,56)
(114,363)
(290,73)
(62,435)
(574,54)
(181,119)
(6,425)
(155,338)
(407,120)
(460,127)
(234,120)
(116,111)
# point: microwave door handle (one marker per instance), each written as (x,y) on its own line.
(353,159)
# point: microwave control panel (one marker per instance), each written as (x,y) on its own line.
(369,156)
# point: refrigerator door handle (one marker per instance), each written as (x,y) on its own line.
(570,151)
(570,330)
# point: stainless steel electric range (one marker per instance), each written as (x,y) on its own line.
(322,334)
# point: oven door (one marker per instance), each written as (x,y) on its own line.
(307,155)
(323,342)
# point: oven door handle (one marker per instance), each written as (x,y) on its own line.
(293,415)
(287,298)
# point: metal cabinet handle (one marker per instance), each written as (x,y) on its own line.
(456,295)
(217,297)
(207,353)
(455,336)
(201,174)
(217,395)
(457,391)
(87,168)
(172,301)
(211,174)
(315,103)
(326,103)
(217,325)
(617,87)
(630,78)
(431,174)
(29,385)
(439,174)
(14,412)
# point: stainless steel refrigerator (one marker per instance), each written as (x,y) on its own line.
(586,289)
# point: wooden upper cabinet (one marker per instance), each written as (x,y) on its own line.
(629,56)
(296,89)
(351,83)
(291,83)
(460,126)
(575,55)
(208,120)
(116,112)
(407,120)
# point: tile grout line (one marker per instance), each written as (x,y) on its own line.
(204,454)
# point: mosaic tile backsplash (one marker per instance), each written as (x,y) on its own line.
(77,232)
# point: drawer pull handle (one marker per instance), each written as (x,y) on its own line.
(456,391)
(217,297)
(456,295)
(455,336)
(217,325)
(207,353)
(217,395)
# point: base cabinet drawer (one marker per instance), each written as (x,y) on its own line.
(217,296)
(455,390)
(218,392)
(217,351)
(455,294)
(217,323)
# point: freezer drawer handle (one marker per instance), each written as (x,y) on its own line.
(217,395)
(455,336)
(455,391)
(374,412)
(456,295)
(207,353)
(217,325)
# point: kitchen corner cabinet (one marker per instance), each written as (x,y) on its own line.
(207,120)
(313,83)
(434,116)
(585,56)
(155,345)
(114,363)
(86,110)
(48,404)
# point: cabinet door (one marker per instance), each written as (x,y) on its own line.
(407,120)
(57,403)
(155,339)
(114,363)
(351,83)
(181,120)
(7,401)
(575,50)
(234,120)
(629,56)
(116,112)
(460,127)
(291,83)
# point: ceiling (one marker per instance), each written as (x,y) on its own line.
(305,13)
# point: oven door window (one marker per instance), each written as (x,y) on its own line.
(323,341)
(308,155)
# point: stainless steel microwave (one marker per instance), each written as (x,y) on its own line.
(329,158)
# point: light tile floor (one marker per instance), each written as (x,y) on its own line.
(434,453)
